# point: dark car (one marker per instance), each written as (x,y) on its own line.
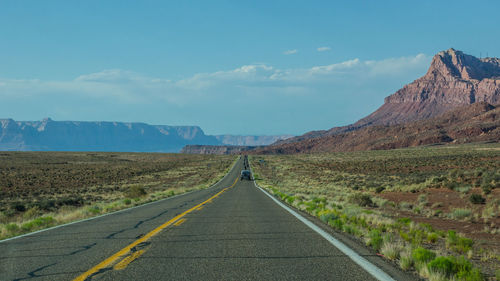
(246,175)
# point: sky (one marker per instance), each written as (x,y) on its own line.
(230,67)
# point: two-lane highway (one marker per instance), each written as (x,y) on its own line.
(232,231)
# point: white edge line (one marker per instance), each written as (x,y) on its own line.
(119,211)
(355,257)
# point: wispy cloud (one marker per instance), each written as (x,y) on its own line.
(118,94)
(323,49)
(290,52)
(128,86)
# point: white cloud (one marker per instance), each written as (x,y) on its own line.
(323,49)
(290,52)
(128,87)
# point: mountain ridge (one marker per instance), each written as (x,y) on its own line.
(453,79)
(48,134)
(477,122)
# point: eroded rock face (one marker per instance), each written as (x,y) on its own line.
(454,79)
(478,122)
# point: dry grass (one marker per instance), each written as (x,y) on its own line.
(60,187)
(355,187)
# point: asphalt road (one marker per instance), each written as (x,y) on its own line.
(232,231)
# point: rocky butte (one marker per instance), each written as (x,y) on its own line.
(453,81)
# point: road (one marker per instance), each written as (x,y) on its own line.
(231,231)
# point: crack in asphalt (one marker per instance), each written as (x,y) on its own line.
(32,274)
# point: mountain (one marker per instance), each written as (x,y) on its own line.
(477,122)
(454,79)
(50,135)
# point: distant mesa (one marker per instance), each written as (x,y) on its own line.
(50,135)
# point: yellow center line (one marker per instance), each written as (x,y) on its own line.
(179,222)
(199,209)
(125,262)
(107,262)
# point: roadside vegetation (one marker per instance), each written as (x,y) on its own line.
(432,210)
(43,189)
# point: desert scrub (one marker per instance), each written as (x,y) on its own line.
(458,243)
(453,267)
(135,191)
(77,185)
(422,255)
(391,249)
(338,177)
(460,214)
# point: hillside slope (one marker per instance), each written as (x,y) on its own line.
(454,79)
(478,122)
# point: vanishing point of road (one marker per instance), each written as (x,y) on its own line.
(231,231)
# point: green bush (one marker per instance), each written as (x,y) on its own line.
(460,213)
(327,217)
(477,199)
(127,201)
(375,239)
(12,227)
(455,267)
(458,243)
(37,223)
(432,237)
(445,265)
(338,224)
(405,221)
(422,255)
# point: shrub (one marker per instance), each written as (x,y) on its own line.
(135,191)
(406,260)
(455,267)
(458,243)
(422,255)
(363,200)
(391,250)
(486,187)
(497,274)
(326,217)
(442,264)
(37,223)
(379,189)
(127,201)
(46,204)
(18,206)
(375,239)
(460,213)
(12,227)
(432,237)
(477,199)
(338,224)
(405,221)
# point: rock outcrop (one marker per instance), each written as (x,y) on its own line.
(454,79)
(478,122)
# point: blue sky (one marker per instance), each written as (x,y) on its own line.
(239,67)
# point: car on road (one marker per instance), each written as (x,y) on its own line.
(246,175)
